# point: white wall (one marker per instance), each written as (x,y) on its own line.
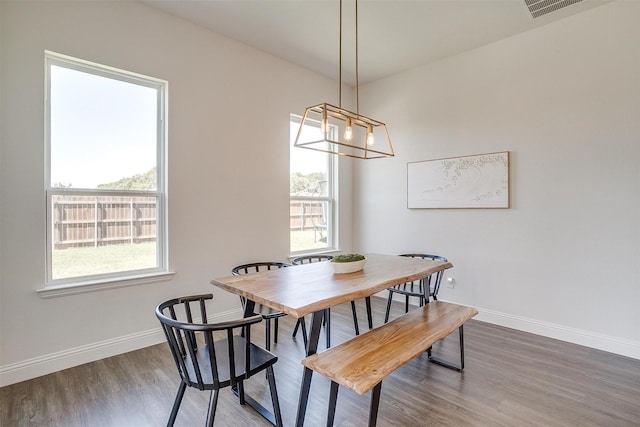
(229,108)
(564,99)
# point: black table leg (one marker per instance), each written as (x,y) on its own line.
(355,317)
(312,347)
(249,306)
(367,301)
(327,329)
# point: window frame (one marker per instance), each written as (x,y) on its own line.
(79,284)
(331,198)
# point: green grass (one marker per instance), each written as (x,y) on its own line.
(304,240)
(75,262)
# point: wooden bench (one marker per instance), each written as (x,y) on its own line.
(361,363)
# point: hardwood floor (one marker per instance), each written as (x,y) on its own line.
(511,378)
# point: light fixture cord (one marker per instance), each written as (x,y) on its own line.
(340,62)
(357,84)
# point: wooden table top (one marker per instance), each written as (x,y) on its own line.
(307,288)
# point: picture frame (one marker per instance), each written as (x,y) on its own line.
(467,182)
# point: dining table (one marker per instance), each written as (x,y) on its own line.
(313,288)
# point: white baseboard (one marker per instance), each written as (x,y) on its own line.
(53,362)
(603,342)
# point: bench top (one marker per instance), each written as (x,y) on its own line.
(365,360)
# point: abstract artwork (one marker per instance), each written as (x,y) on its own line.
(478,181)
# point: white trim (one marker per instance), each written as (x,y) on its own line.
(620,346)
(53,362)
(101,285)
(582,337)
(161,193)
(82,65)
(332,197)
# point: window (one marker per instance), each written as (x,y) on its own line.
(105,180)
(312,201)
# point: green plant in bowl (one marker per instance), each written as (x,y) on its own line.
(347,258)
(348,263)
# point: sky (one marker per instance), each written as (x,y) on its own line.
(303,160)
(102,129)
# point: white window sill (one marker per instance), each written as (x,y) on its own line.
(100,285)
(329,251)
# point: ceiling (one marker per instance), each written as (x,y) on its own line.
(393,35)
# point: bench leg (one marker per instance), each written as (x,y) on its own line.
(448,364)
(333,397)
(375,403)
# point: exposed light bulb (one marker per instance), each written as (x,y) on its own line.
(324,123)
(324,126)
(370,138)
(348,131)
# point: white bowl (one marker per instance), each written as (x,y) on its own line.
(348,267)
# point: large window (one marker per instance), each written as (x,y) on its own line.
(312,195)
(105,181)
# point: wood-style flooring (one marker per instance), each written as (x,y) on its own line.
(511,378)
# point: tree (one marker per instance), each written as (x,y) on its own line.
(302,185)
(145,181)
(62,185)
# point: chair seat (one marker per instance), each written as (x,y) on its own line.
(259,357)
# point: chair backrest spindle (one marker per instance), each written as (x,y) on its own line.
(256,267)
(308,259)
(435,278)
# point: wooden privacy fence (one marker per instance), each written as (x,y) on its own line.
(307,215)
(81,221)
(91,221)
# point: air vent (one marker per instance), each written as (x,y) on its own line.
(542,7)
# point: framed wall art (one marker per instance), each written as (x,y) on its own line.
(478,181)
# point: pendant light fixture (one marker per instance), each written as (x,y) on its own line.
(344,132)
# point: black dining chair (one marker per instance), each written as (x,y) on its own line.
(417,288)
(267,313)
(306,259)
(208,364)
